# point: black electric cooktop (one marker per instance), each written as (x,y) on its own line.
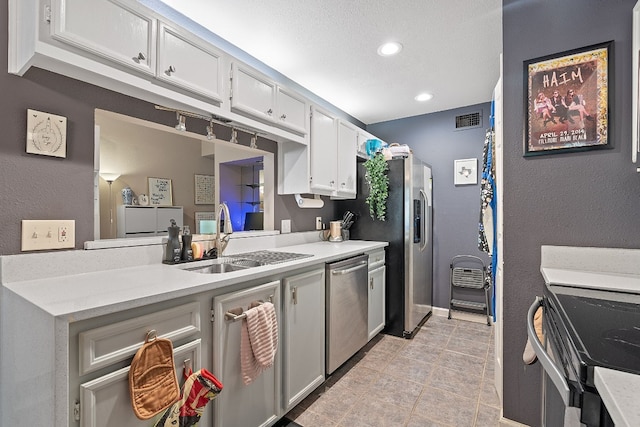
(605,326)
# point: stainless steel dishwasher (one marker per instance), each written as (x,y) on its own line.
(347,309)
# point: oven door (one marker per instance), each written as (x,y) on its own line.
(558,398)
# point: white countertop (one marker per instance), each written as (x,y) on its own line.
(601,269)
(619,392)
(85,295)
(606,281)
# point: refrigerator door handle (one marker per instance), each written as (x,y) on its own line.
(417,222)
(425,237)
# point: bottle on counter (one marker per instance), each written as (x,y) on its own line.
(187,250)
(173,251)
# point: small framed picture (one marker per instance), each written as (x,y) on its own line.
(46,134)
(465,171)
(204,189)
(567,101)
(160,193)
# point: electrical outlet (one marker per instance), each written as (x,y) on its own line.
(318,223)
(285,226)
(38,235)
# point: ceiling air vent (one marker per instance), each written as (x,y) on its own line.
(468,121)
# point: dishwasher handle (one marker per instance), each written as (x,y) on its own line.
(361,264)
(550,368)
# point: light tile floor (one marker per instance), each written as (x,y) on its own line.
(442,377)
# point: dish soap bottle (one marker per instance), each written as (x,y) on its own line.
(187,251)
(172,253)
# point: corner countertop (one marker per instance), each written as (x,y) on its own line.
(606,270)
(85,295)
(619,392)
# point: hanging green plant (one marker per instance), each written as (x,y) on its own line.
(376,176)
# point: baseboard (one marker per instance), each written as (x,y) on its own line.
(460,315)
(510,423)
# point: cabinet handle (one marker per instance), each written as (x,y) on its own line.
(283,117)
(170,70)
(371,282)
(295,295)
(140,57)
(269,111)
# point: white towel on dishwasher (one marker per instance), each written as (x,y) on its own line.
(259,341)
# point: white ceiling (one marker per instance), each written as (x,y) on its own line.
(451,48)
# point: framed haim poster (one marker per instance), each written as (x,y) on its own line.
(204,189)
(160,192)
(567,100)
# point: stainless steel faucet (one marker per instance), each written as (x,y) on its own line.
(221,242)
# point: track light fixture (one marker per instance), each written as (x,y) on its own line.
(182,122)
(210,134)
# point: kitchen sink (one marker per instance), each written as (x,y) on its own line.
(225,265)
(246,260)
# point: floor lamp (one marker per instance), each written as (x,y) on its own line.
(110,177)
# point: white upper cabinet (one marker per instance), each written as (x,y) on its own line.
(252,93)
(108,28)
(186,61)
(291,110)
(324,151)
(258,96)
(346,159)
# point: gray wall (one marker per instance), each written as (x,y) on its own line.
(582,199)
(433,139)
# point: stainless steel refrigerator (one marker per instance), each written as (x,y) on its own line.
(408,229)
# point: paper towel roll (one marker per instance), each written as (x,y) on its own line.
(316,202)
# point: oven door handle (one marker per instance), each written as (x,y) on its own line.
(551,369)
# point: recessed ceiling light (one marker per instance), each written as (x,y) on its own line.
(389,49)
(423,97)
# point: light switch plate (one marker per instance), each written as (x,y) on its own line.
(38,235)
(285,226)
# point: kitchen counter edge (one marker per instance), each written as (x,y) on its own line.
(86,295)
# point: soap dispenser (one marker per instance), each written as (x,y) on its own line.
(187,251)
(173,244)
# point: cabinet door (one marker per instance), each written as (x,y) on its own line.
(115,342)
(186,61)
(252,93)
(347,146)
(324,144)
(105,401)
(136,219)
(120,32)
(376,301)
(292,111)
(258,403)
(304,336)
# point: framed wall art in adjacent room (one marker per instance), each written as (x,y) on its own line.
(567,101)
(204,189)
(160,193)
(465,171)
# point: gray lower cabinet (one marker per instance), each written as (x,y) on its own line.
(304,335)
(258,403)
(100,372)
(376,293)
(105,401)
